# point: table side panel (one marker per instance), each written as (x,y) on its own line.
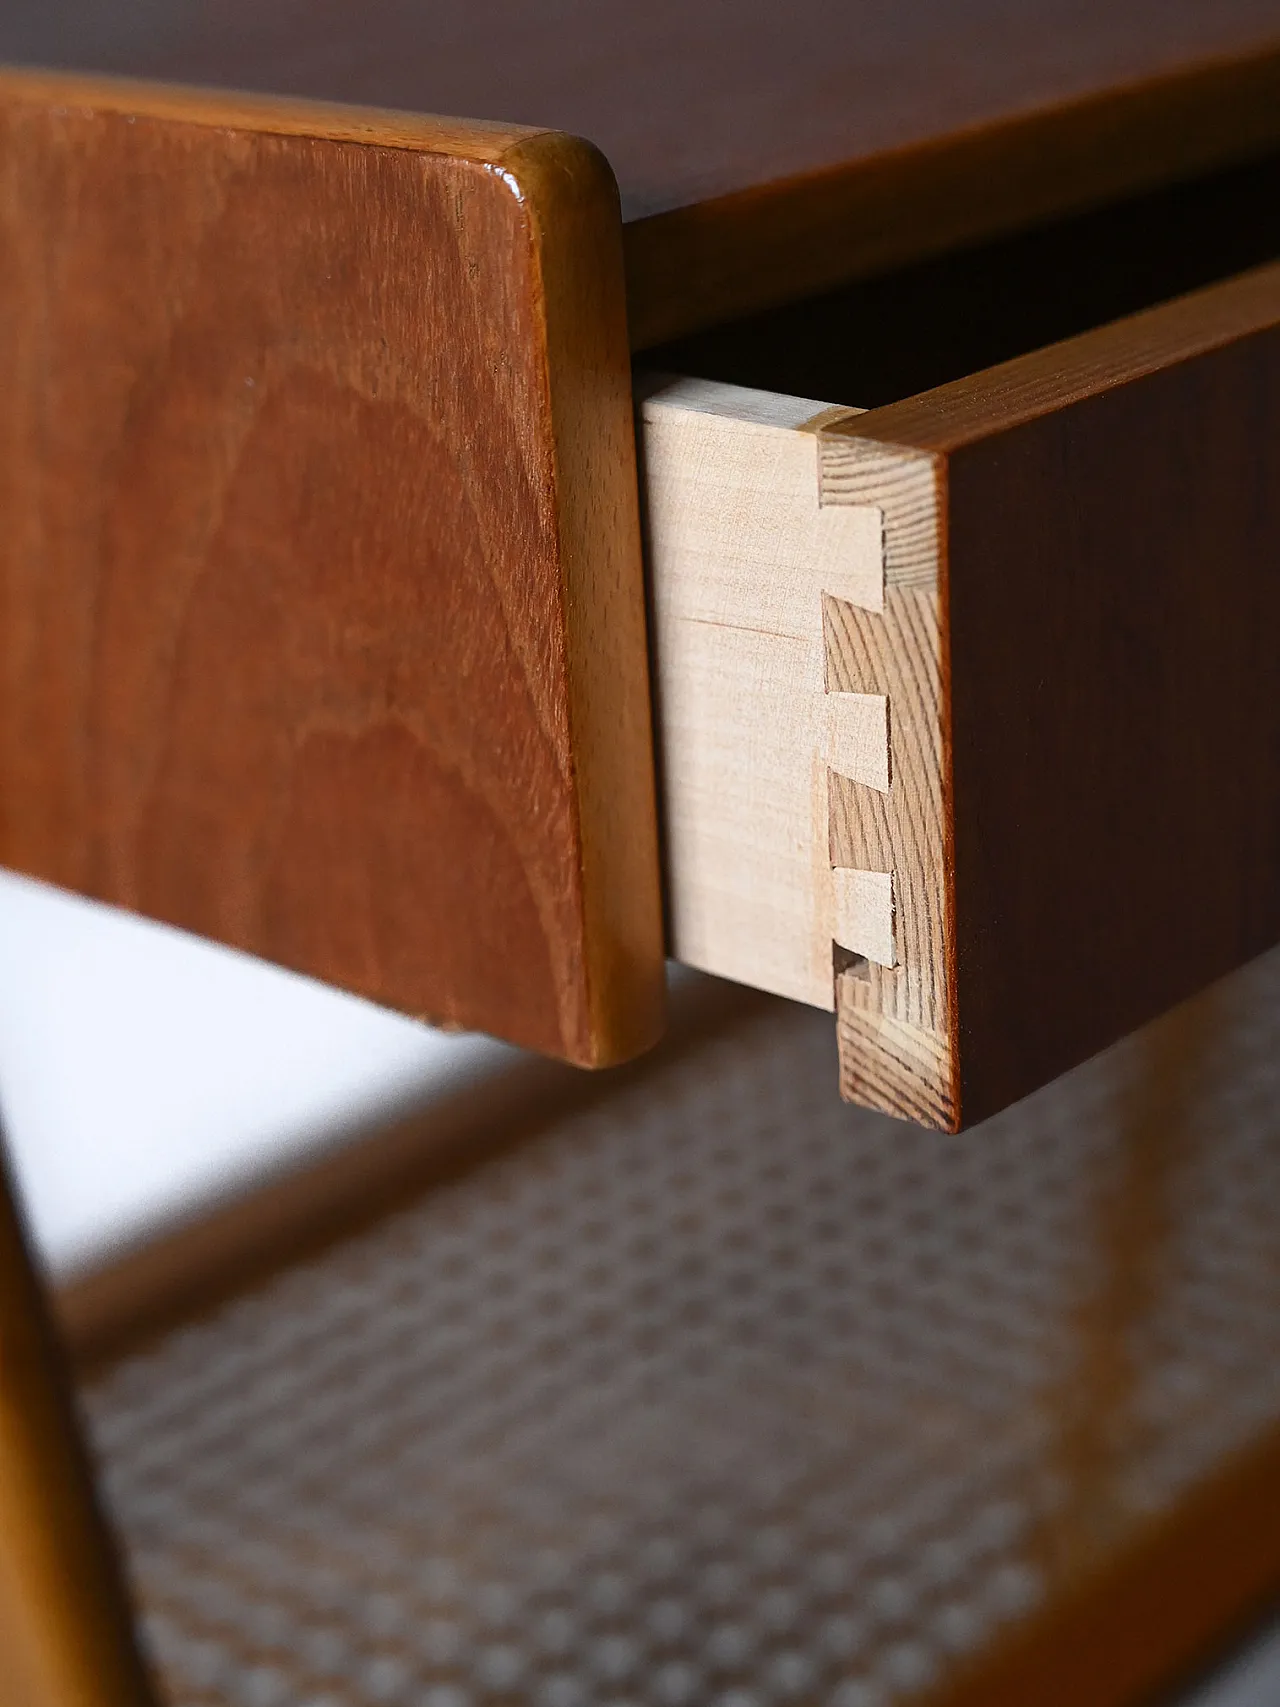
(301,558)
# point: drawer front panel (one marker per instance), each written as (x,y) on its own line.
(1113,607)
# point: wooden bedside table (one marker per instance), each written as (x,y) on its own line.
(323,569)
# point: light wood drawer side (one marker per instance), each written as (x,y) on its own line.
(795,635)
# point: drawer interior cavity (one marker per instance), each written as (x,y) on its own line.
(882,339)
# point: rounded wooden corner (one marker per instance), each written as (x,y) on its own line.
(554,938)
(572,196)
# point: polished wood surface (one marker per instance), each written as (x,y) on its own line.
(65,1623)
(1023,165)
(894,1018)
(320,574)
(1105,525)
(762,151)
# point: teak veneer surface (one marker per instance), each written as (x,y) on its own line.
(763,151)
(1105,533)
(966,712)
(320,584)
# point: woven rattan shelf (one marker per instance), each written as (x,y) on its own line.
(718,1392)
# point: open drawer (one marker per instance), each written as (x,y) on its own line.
(969,704)
(322,581)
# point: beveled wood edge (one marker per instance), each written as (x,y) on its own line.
(290,1213)
(1192,1581)
(569,198)
(964,411)
(738,254)
(481,140)
(577,224)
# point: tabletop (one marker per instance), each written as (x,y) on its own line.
(767,114)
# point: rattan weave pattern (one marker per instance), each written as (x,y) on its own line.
(721,1392)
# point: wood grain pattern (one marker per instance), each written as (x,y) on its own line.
(320,581)
(894,1023)
(65,1624)
(900,1009)
(743,557)
(797,668)
(1110,523)
(763,152)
